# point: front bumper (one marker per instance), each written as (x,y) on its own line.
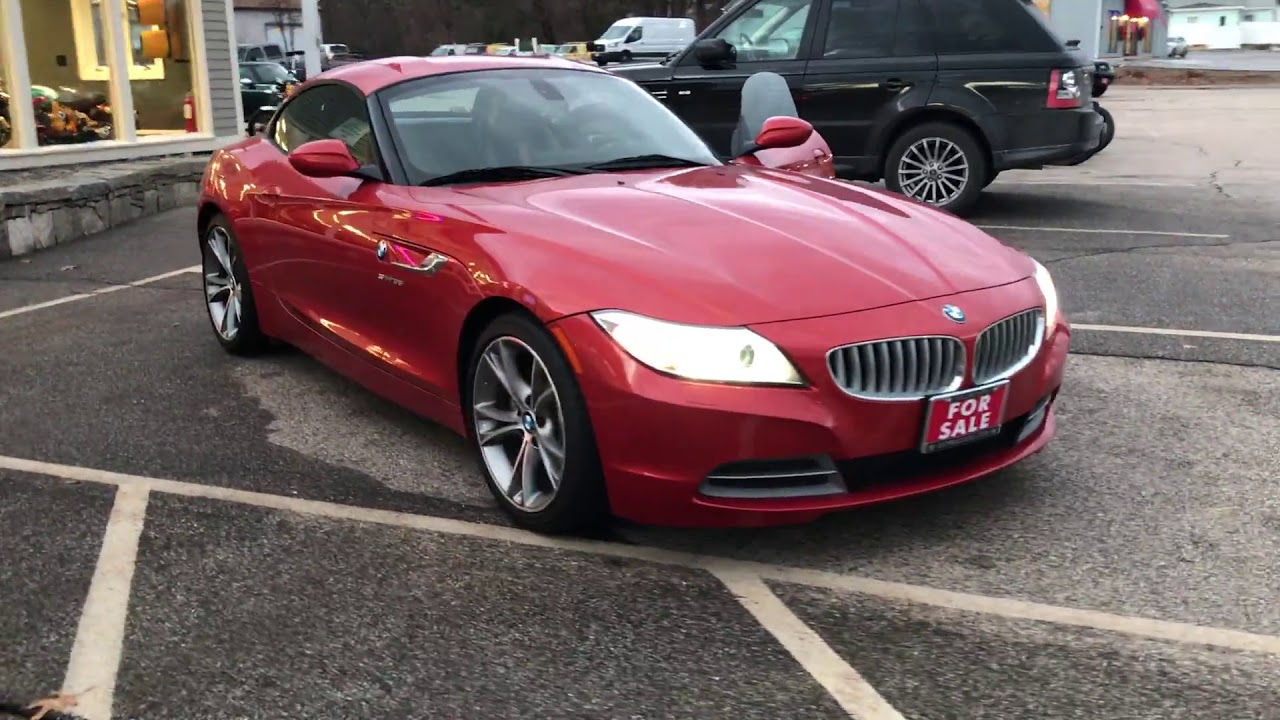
(682,453)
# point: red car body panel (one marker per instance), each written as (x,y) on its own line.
(807,262)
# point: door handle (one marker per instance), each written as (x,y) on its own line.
(892,85)
(429,265)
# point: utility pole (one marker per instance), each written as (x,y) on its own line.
(311,36)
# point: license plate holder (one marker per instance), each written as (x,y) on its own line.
(963,417)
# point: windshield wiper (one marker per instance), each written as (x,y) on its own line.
(645,162)
(505,173)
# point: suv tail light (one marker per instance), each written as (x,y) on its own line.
(1065,89)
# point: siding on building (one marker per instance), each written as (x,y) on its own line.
(224,81)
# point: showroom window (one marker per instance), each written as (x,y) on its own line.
(100,71)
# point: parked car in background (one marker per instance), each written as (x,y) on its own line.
(269,52)
(449,49)
(263,86)
(333,50)
(936,114)
(1176,47)
(643,37)
(578,51)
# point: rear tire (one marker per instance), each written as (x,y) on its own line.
(1108,127)
(548,422)
(938,163)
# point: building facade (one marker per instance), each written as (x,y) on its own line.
(269,22)
(1226,25)
(1110,28)
(115,79)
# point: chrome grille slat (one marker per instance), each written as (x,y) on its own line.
(1007,345)
(899,368)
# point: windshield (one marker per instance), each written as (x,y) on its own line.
(559,118)
(616,31)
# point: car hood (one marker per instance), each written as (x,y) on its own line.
(732,245)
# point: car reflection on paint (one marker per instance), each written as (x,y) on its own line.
(540,256)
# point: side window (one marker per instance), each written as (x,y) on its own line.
(327,111)
(636,34)
(860,29)
(768,31)
(990,26)
(914,33)
(246,73)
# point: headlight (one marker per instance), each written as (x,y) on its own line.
(693,352)
(1050,293)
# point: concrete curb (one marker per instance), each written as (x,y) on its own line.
(1193,77)
(46,207)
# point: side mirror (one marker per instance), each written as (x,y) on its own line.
(783,132)
(713,52)
(246,82)
(323,159)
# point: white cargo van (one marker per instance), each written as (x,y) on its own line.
(643,37)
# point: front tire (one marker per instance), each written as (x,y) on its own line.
(626,56)
(940,164)
(527,421)
(229,301)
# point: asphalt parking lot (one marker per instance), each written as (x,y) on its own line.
(187,535)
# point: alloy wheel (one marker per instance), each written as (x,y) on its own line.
(933,170)
(519,424)
(223,293)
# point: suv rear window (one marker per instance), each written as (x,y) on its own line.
(992,26)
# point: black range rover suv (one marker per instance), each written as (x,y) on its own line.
(934,96)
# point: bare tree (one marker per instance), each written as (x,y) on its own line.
(285,16)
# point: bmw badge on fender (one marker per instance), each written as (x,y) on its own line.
(619,321)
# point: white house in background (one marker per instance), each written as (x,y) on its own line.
(268,22)
(1226,25)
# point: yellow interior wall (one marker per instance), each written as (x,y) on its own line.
(49,33)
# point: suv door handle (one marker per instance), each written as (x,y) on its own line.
(892,85)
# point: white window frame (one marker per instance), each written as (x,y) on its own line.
(87,46)
(25,152)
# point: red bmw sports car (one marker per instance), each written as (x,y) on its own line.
(542,257)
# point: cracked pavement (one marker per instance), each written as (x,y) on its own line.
(1157,499)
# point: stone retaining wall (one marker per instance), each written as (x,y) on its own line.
(44,207)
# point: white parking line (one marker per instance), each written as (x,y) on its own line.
(1102,231)
(1019,609)
(853,693)
(1087,182)
(95,293)
(95,656)
(1250,337)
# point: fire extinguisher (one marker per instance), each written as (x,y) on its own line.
(189,112)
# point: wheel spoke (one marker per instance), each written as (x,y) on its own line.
(498,433)
(231,319)
(490,411)
(215,286)
(218,244)
(502,363)
(552,456)
(513,488)
(529,475)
